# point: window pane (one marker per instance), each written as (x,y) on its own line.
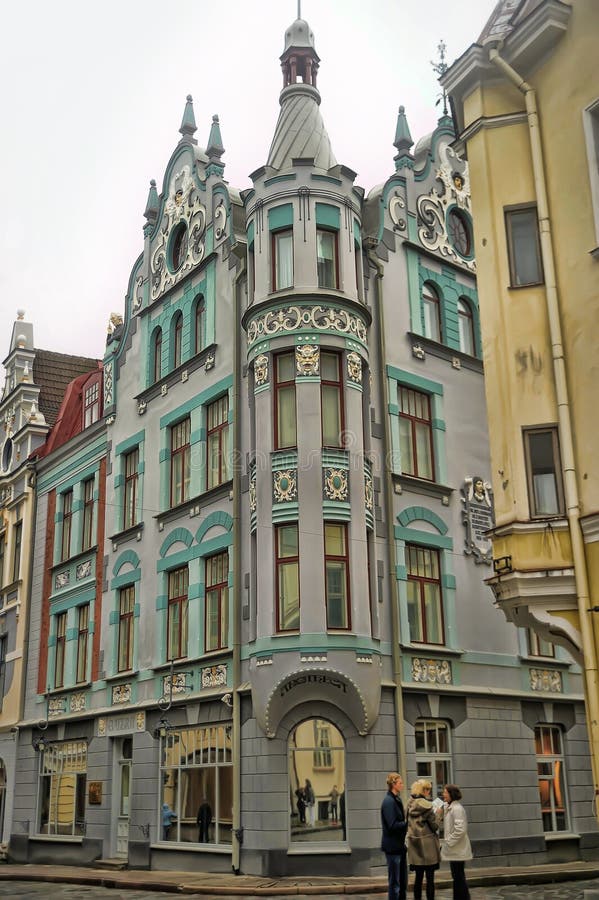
(336,599)
(288,596)
(326,259)
(405,447)
(543,469)
(423,451)
(283,260)
(286,417)
(414,612)
(525,249)
(432,606)
(432,321)
(331,415)
(466,328)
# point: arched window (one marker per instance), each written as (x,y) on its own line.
(157,355)
(466,327)
(431,308)
(177,339)
(199,324)
(317,782)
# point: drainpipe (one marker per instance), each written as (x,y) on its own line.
(394,597)
(564,416)
(237,836)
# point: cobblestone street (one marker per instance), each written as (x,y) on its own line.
(572,890)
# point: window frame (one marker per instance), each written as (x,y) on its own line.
(466,325)
(2,557)
(3,652)
(321,230)
(405,392)
(217,441)
(590,116)
(74,753)
(67,525)
(431,301)
(527,433)
(510,212)
(431,757)
(221,591)
(421,581)
(282,562)
(60,633)
(157,355)
(126,632)
(17,538)
(179,602)
(535,644)
(337,386)
(177,339)
(557,761)
(278,387)
(87,524)
(275,238)
(335,558)
(91,403)
(82,643)
(199,324)
(180,455)
(130,487)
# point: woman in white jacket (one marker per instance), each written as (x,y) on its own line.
(456,848)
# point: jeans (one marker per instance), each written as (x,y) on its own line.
(397,869)
(419,872)
(460,888)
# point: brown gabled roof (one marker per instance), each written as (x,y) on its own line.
(52,372)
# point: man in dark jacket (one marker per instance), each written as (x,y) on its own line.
(393,842)
(204,821)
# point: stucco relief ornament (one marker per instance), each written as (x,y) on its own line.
(220,220)
(77,702)
(108,372)
(183,206)
(307,359)
(478,517)
(354,367)
(138,296)
(368,492)
(121,693)
(261,370)
(396,205)
(434,671)
(336,486)
(252,493)
(284,486)
(214,676)
(141,407)
(294,318)
(434,206)
(546,680)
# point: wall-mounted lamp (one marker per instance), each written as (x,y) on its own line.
(162,728)
(38,744)
(502,565)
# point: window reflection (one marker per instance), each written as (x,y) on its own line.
(317,782)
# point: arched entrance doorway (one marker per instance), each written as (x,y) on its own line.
(317,783)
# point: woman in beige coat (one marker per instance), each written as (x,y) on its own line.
(423,842)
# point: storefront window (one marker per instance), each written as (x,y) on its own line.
(62,787)
(196,772)
(317,783)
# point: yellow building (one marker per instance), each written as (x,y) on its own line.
(525,98)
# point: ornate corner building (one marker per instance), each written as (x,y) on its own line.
(258,574)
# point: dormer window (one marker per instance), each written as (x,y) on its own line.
(91,404)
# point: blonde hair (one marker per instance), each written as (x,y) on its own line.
(392,778)
(421,786)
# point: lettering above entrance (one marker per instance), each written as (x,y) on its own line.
(324,685)
(110,726)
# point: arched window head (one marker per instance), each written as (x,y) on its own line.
(431,308)
(177,338)
(466,327)
(157,355)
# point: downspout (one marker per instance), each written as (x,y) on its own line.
(386,476)
(237,837)
(564,417)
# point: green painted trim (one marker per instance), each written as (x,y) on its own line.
(86,463)
(328,215)
(128,556)
(415,381)
(125,579)
(421,513)
(202,399)
(130,443)
(71,600)
(414,290)
(280,216)
(215,518)
(215,545)
(276,179)
(178,535)
(250,233)
(284,512)
(357,233)
(414,536)
(492,659)
(336,511)
(328,178)
(449,581)
(439,424)
(401,573)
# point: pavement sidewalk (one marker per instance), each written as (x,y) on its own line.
(226,884)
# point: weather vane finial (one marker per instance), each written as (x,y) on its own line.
(440,68)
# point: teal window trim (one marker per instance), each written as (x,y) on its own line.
(127,556)
(328,216)
(130,443)
(415,381)
(65,604)
(211,393)
(425,538)
(435,392)
(280,217)
(197,551)
(130,577)
(135,442)
(251,230)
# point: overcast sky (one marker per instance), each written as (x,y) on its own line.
(91,99)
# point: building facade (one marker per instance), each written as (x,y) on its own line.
(537,255)
(286,593)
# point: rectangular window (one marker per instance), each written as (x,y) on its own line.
(217,415)
(88,514)
(3,648)
(524,249)
(282,259)
(336,575)
(544,473)
(126,611)
(323,753)
(178,582)
(537,646)
(196,773)
(62,788)
(433,753)
(331,399)
(425,609)
(551,778)
(91,404)
(216,633)
(287,577)
(67,521)
(60,649)
(2,555)
(415,433)
(327,258)
(16,550)
(82,642)
(285,410)
(131,467)
(180,461)
(591,130)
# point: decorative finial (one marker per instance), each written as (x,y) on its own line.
(215,147)
(188,124)
(403,139)
(440,68)
(20,314)
(152,204)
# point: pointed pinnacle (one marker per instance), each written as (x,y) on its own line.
(403,139)
(215,147)
(188,123)
(151,210)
